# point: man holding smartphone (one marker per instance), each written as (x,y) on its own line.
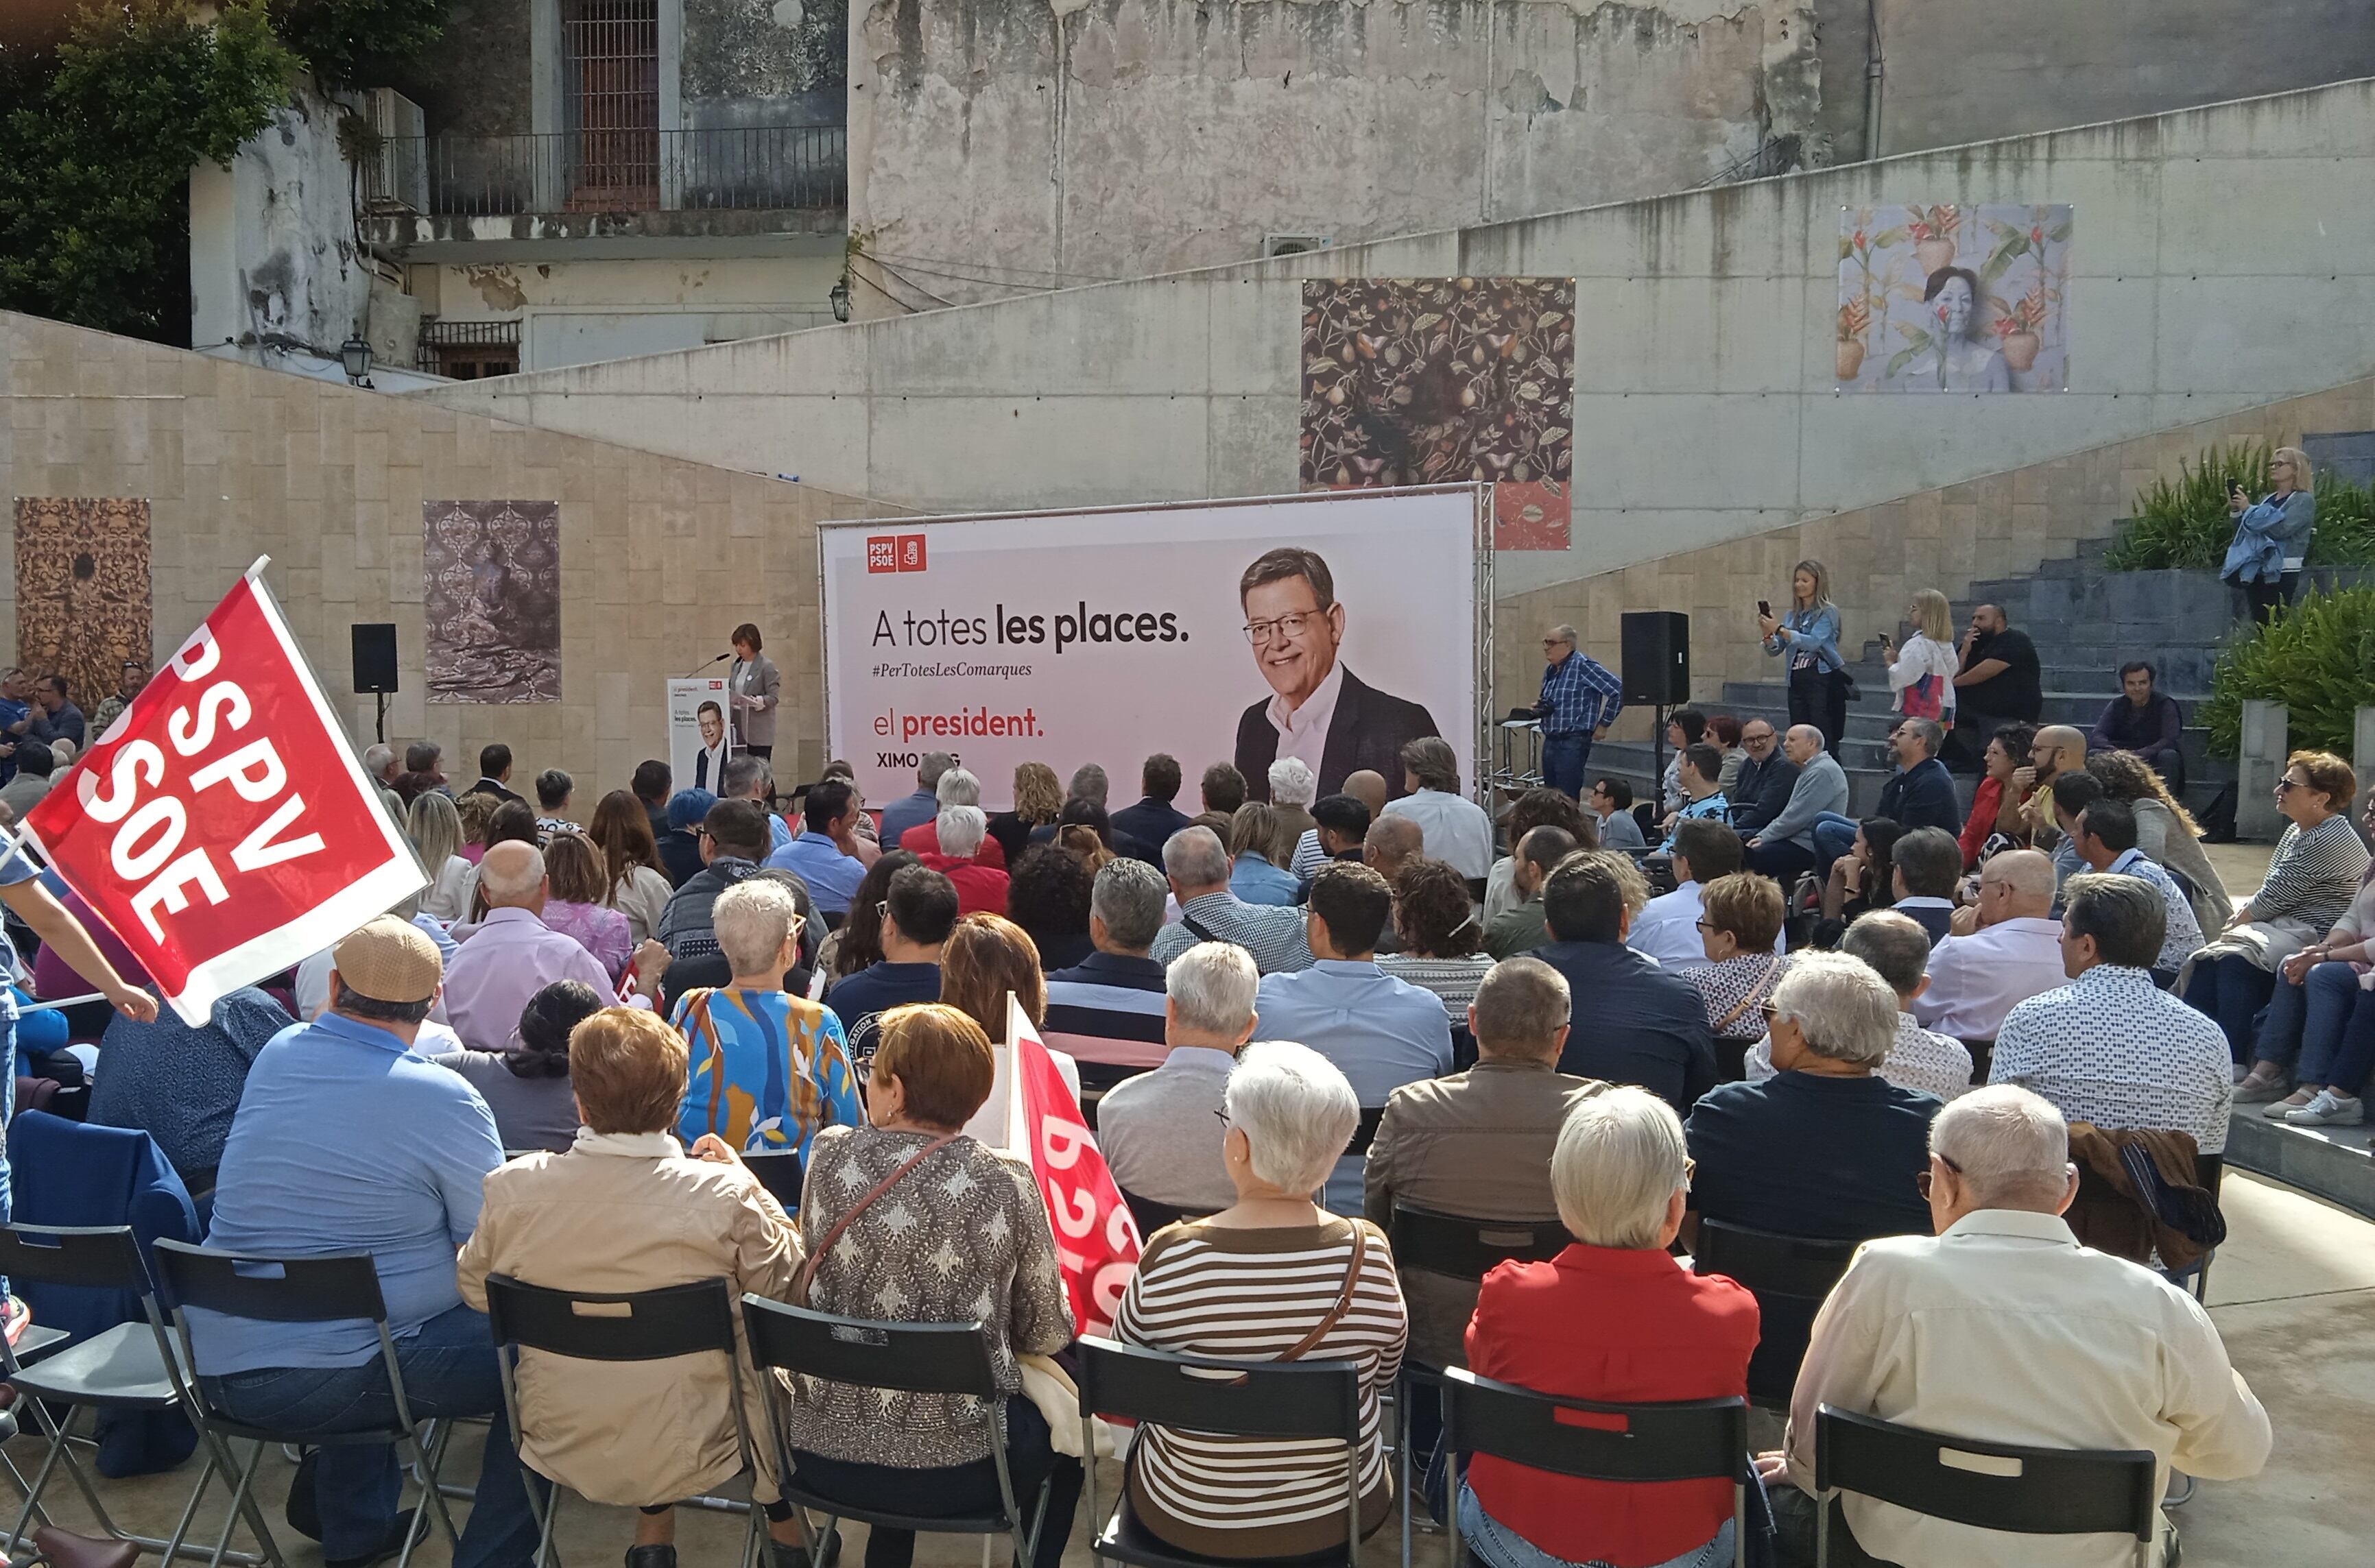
(1580,698)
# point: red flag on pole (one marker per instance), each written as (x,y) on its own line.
(1096,1237)
(223,828)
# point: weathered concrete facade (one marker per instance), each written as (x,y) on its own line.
(996,144)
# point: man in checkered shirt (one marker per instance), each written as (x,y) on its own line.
(1581,700)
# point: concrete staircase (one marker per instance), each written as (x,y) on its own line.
(2085,622)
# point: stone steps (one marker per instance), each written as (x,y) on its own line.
(2334,1163)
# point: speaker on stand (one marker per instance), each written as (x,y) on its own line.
(1657,659)
(374,661)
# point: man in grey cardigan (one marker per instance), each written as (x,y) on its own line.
(1784,848)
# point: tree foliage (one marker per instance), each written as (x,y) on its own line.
(345,42)
(2318,658)
(96,148)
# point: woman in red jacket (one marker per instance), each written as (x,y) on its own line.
(1991,813)
(1613,1318)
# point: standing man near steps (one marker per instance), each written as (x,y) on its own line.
(1580,698)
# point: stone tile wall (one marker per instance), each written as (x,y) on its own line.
(661,558)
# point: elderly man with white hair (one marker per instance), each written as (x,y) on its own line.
(1897,949)
(1656,1333)
(1976,1331)
(1253,1282)
(512,954)
(962,833)
(1198,867)
(1157,1128)
(1294,790)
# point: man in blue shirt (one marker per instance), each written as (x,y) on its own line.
(1634,1023)
(914,810)
(829,857)
(346,1141)
(1380,1030)
(16,717)
(1580,698)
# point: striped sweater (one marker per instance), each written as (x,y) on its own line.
(1257,1498)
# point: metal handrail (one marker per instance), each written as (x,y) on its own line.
(742,168)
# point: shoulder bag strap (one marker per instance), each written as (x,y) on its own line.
(1197,927)
(815,1258)
(1755,992)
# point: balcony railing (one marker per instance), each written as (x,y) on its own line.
(728,169)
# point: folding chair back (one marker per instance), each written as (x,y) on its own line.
(595,1326)
(918,1358)
(1789,1277)
(96,1257)
(1691,1440)
(271,1289)
(1466,1248)
(1994,1486)
(779,1174)
(1260,1399)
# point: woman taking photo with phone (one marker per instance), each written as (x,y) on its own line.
(1807,641)
(2272,535)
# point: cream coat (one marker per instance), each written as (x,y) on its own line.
(630,1212)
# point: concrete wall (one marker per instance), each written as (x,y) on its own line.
(272,251)
(1962,73)
(580,310)
(1703,402)
(1005,144)
(660,556)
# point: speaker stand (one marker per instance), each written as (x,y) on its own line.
(380,700)
(1658,763)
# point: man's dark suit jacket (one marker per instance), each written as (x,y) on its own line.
(1634,1023)
(489,786)
(1368,730)
(1129,846)
(1150,821)
(1764,791)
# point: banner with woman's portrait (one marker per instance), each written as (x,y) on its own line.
(1954,299)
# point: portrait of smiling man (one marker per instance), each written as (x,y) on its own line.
(1319,710)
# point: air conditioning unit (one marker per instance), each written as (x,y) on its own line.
(396,174)
(1295,245)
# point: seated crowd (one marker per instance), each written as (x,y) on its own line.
(1290,1020)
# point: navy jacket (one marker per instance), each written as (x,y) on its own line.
(1763,791)
(1150,821)
(1634,1023)
(1921,797)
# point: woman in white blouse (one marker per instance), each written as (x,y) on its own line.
(1922,674)
(436,830)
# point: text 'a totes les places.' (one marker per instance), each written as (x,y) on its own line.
(895,552)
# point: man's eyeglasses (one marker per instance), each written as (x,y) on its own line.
(1922,1181)
(1260,632)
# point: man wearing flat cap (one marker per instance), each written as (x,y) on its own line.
(345,1141)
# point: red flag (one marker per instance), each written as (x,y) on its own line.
(1096,1237)
(223,828)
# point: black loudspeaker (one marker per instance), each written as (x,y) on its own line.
(1657,658)
(374,656)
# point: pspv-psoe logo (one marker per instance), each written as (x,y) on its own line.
(895,552)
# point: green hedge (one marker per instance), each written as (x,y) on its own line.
(2186,526)
(2317,660)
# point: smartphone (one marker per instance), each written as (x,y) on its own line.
(1765,608)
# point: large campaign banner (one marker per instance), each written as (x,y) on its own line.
(1332,627)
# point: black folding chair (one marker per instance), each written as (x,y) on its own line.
(780,1174)
(123,1368)
(1153,1216)
(1789,1277)
(1993,1486)
(640,1326)
(293,1290)
(917,1358)
(1687,1440)
(1464,1248)
(1276,1399)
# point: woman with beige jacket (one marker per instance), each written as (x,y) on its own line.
(626,1210)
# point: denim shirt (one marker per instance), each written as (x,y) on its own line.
(1815,632)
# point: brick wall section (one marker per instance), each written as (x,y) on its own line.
(2001,525)
(660,558)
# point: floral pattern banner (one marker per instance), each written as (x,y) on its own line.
(493,589)
(83,598)
(1442,381)
(1954,299)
